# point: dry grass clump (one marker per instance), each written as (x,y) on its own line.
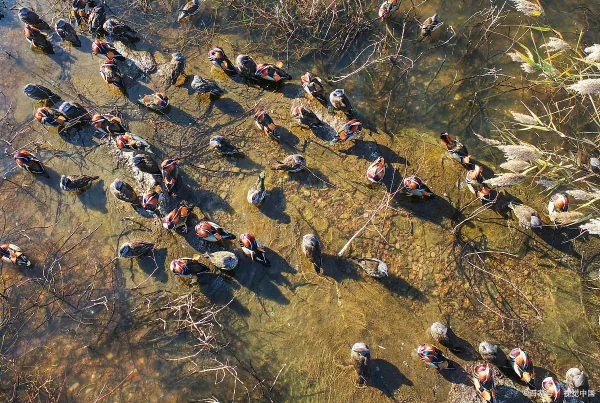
(588,86)
(507,179)
(524,119)
(515,165)
(555,44)
(593,53)
(520,152)
(528,8)
(593,227)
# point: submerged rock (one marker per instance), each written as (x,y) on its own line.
(142,59)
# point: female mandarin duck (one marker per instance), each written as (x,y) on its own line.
(111,75)
(211,232)
(483,379)
(246,67)
(431,355)
(311,247)
(313,87)
(157,101)
(67,33)
(188,267)
(188,10)
(292,164)
(373,267)
(223,260)
(376,170)
(257,192)
(30,163)
(144,163)
(218,57)
(492,354)
(131,142)
(528,217)
(151,200)
(12,254)
(577,380)
(73,112)
(271,72)
(37,39)
(340,102)
(360,354)
(413,186)
(96,20)
(135,249)
(349,131)
(553,390)
(474,178)
(201,85)
(106,50)
(76,183)
(559,203)
(445,336)
(220,145)
(305,116)
(50,117)
(253,249)
(124,192)
(430,25)
(108,124)
(177,67)
(170,174)
(387,8)
(118,30)
(41,93)
(264,123)
(177,219)
(456,149)
(30,17)
(523,366)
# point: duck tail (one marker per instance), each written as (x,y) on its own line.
(227,235)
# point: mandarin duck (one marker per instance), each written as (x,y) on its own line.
(492,354)
(474,178)
(347,132)
(527,216)
(360,355)
(305,116)
(177,218)
(559,203)
(486,194)
(67,33)
(311,247)
(445,336)
(80,9)
(76,183)
(291,164)
(96,19)
(170,174)
(577,381)
(373,267)
(119,30)
(223,260)
(257,192)
(201,85)
(135,249)
(131,142)
(157,101)
(30,17)
(552,390)
(264,123)
(177,67)
(253,249)
(108,124)
(246,67)
(523,366)
(271,72)
(313,86)
(430,25)
(431,355)
(413,186)
(37,39)
(144,163)
(483,380)
(220,145)
(340,102)
(387,8)
(12,254)
(73,111)
(188,10)
(111,75)
(187,267)
(41,93)
(29,162)
(218,58)
(151,200)
(107,50)
(456,149)
(124,192)
(376,170)
(50,117)
(211,232)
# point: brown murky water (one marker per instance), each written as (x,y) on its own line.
(286,331)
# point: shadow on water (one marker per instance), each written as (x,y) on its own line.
(456,376)
(275,205)
(95,197)
(512,395)
(435,210)
(403,288)
(560,239)
(228,106)
(339,268)
(221,291)
(208,202)
(155,265)
(287,138)
(387,377)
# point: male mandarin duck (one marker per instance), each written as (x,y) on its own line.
(360,354)
(30,17)
(264,123)
(218,57)
(445,336)
(151,200)
(492,354)
(157,101)
(188,267)
(211,232)
(577,380)
(528,217)
(257,192)
(522,365)
(376,170)
(559,203)
(221,145)
(135,249)
(111,74)
(144,163)
(271,72)
(178,67)
(373,267)
(50,117)
(553,390)
(73,111)
(483,379)
(108,124)
(76,183)
(387,8)
(201,85)
(107,50)
(313,86)
(170,174)
(253,249)
(413,186)
(12,254)
(431,355)
(80,10)
(311,247)
(349,131)
(37,39)
(223,260)
(67,33)
(474,177)
(124,192)
(40,93)
(96,19)
(118,30)
(456,149)
(292,164)
(340,102)
(131,142)
(177,219)
(29,162)
(430,25)
(188,10)
(246,66)
(305,116)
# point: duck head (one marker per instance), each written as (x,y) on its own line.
(553,389)
(169,165)
(559,202)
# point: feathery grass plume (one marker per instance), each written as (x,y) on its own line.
(507,179)
(546,183)
(491,142)
(528,8)
(588,86)
(555,44)
(515,56)
(528,68)
(582,194)
(593,227)
(568,218)
(520,152)
(593,53)
(515,165)
(524,119)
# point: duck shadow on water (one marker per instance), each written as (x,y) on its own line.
(397,285)
(274,206)
(561,239)
(227,106)
(79,136)
(154,265)
(457,376)
(508,394)
(387,377)
(190,191)
(287,139)
(434,209)
(95,197)
(339,268)
(291,90)
(221,290)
